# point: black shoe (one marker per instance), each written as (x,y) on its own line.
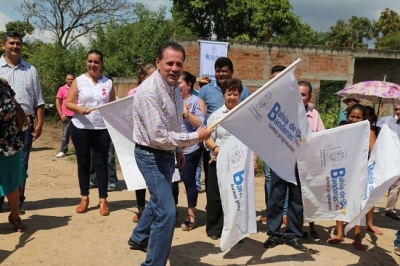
(296,244)
(392,215)
(272,242)
(314,234)
(21,210)
(136,246)
(305,235)
(214,237)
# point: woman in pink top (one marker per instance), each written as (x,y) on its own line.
(145,70)
(64,113)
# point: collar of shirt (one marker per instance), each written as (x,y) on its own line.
(215,85)
(170,89)
(4,63)
(224,109)
(309,111)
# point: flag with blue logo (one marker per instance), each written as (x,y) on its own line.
(235,172)
(333,172)
(383,169)
(273,123)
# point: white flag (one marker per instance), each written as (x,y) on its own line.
(118,117)
(333,171)
(272,122)
(235,171)
(383,169)
(209,52)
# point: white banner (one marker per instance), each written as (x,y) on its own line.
(209,52)
(235,171)
(383,169)
(333,171)
(276,115)
(117,116)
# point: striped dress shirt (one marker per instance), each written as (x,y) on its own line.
(157,115)
(24,80)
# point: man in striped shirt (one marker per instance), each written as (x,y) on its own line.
(24,80)
(157,120)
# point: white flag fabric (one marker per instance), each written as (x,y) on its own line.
(333,171)
(235,171)
(383,169)
(209,52)
(118,117)
(273,123)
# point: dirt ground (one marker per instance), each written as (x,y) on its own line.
(57,235)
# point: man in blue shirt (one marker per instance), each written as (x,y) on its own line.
(213,97)
(390,210)
(211,93)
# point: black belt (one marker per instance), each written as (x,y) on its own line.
(146,148)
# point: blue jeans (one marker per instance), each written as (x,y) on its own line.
(397,241)
(267,188)
(279,189)
(26,137)
(66,132)
(156,225)
(188,177)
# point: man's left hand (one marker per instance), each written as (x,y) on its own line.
(37,131)
(180,159)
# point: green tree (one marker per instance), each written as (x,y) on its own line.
(351,34)
(53,62)
(241,20)
(387,29)
(299,33)
(68,20)
(126,45)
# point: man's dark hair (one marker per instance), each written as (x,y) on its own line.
(174,46)
(306,84)
(277,68)
(223,61)
(11,34)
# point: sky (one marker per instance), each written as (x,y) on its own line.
(319,14)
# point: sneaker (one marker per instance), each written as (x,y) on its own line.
(397,251)
(92,184)
(111,187)
(60,154)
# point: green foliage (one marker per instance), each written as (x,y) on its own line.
(299,33)
(52,63)
(329,103)
(351,34)
(125,45)
(240,20)
(387,30)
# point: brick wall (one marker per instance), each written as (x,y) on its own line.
(252,63)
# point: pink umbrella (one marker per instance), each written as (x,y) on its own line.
(373,91)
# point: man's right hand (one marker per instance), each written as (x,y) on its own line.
(204,133)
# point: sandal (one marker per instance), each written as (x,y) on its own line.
(17,224)
(83,205)
(189,225)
